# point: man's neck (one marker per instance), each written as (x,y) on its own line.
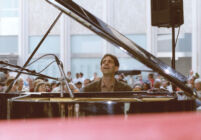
(108,79)
(107,83)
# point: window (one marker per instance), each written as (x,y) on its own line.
(85,65)
(9,25)
(86,44)
(8,8)
(8,44)
(184,43)
(139,39)
(50,45)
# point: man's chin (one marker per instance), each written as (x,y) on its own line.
(108,73)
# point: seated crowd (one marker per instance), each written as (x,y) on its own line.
(152,83)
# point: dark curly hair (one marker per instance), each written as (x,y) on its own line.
(116,62)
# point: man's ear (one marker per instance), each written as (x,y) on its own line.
(116,68)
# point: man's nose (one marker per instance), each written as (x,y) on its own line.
(106,62)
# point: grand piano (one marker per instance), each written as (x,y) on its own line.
(86,104)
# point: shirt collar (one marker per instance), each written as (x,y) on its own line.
(111,85)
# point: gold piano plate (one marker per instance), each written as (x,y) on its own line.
(59,99)
(156,99)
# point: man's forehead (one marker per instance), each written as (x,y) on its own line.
(108,58)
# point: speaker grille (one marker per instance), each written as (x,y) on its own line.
(167,13)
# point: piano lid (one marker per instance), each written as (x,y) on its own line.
(96,25)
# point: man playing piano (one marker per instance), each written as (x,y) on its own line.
(108,83)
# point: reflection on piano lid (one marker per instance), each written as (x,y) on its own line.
(132,72)
(128,72)
(107,32)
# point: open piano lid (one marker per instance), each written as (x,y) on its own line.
(107,32)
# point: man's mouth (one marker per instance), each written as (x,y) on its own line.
(106,68)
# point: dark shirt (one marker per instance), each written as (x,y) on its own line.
(107,87)
(96,86)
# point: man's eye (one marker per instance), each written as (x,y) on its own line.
(104,61)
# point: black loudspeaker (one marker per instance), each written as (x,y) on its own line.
(167,13)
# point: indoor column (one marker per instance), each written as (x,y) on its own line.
(196,36)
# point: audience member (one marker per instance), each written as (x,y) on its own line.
(157,84)
(78,85)
(2,77)
(2,81)
(198,87)
(40,87)
(53,85)
(121,78)
(190,82)
(166,85)
(95,77)
(77,78)
(30,84)
(2,85)
(81,78)
(48,87)
(58,88)
(139,77)
(20,84)
(137,87)
(151,79)
(69,76)
(14,87)
(86,82)
(190,74)
(146,86)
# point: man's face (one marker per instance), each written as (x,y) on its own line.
(108,66)
(198,86)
